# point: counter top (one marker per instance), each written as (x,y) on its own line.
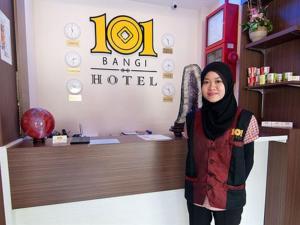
(123,139)
(280,135)
(279,138)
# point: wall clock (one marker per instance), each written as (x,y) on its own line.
(72,59)
(74,86)
(168,90)
(168,40)
(72,31)
(168,65)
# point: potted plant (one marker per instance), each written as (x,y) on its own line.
(258,24)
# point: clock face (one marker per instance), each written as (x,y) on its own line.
(74,86)
(168,89)
(73,59)
(215,28)
(168,40)
(168,65)
(72,31)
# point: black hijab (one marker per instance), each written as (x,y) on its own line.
(217,117)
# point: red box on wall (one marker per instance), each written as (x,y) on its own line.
(221,36)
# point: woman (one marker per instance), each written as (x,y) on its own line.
(220,151)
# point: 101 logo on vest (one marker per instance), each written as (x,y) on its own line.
(237,133)
(124,34)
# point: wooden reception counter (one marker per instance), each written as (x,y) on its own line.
(47,174)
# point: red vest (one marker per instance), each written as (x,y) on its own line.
(212,164)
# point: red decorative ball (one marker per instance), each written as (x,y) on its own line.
(37,123)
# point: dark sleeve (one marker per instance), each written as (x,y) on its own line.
(190,170)
(249,157)
(189,123)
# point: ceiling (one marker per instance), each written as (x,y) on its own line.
(189,4)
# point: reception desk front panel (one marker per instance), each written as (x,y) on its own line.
(56,174)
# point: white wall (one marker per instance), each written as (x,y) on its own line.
(6,187)
(107,109)
(9,215)
(159,208)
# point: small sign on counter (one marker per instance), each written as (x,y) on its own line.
(59,139)
(104,141)
(154,137)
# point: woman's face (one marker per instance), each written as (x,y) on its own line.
(213,88)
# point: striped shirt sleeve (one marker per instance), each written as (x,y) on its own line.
(252,132)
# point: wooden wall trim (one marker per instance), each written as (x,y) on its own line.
(8,94)
(276,184)
(281,104)
(50,175)
(22,64)
(283,182)
(292,208)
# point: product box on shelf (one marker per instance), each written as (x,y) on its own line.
(293,78)
(279,124)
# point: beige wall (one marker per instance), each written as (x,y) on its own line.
(107,109)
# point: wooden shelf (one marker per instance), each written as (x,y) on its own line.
(272,131)
(271,40)
(274,85)
(262,89)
